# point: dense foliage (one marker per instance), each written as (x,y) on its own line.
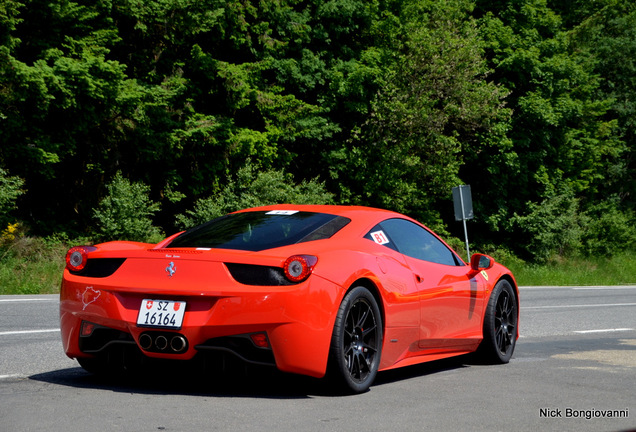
(122,118)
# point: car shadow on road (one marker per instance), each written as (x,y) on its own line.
(423,369)
(255,382)
(262,384)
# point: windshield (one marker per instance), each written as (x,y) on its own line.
(260,230)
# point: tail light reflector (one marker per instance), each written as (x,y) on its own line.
(77,257)
(260,340)
(297,268)
(87,328)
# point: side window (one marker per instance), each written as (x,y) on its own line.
(381,237)
(412,240)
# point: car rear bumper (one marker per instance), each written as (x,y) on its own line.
(297,321)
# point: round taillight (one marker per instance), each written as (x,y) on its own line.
(297,268)
(77,257)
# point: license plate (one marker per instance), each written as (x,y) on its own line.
(161,313)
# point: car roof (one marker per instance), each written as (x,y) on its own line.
(357,213)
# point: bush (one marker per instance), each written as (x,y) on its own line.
(501,254)
(609,230)
(253,190)
(126,212)
(9,233)
(553,227)
(559,228)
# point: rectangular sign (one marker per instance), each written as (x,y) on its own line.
(463,202)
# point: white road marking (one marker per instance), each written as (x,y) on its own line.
(603,330)
(15,332)
(10,376)
(578,306)
(605,288)
(590,287)
(27,299)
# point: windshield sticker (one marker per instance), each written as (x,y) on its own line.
(379,237)
(282,212)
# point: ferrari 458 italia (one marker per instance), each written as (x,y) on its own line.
(307,289)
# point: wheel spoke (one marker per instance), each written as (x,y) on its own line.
(352,365)
(358,369)
(499,339)
(362,316)
(510,309)
(348,351)
(367,331)
(367,362)
(504,303)
(358,366)
(349,325)
(369,349)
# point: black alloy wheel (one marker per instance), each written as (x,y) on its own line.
(357,341)
(500,324)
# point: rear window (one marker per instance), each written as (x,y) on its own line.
(260,230)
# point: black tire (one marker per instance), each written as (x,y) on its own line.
(500,325)
(356,343)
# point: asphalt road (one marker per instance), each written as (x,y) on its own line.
(574,365)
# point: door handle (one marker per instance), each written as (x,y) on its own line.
(419,279)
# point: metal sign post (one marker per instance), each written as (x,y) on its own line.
(463,203)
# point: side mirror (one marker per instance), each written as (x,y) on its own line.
(479,262)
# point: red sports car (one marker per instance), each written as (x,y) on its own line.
(304,288)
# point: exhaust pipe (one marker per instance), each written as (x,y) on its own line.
(178,344)
(161,343)
(145,341)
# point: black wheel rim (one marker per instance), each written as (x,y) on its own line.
(360,340)
(505,322)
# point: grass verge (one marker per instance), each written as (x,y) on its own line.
(31,266)
(578,271)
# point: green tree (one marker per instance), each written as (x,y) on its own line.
(608,33)
(10,190)
(390,103)
(435,105)
(59,105)
(126,212)
(252,189)
(562,142)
